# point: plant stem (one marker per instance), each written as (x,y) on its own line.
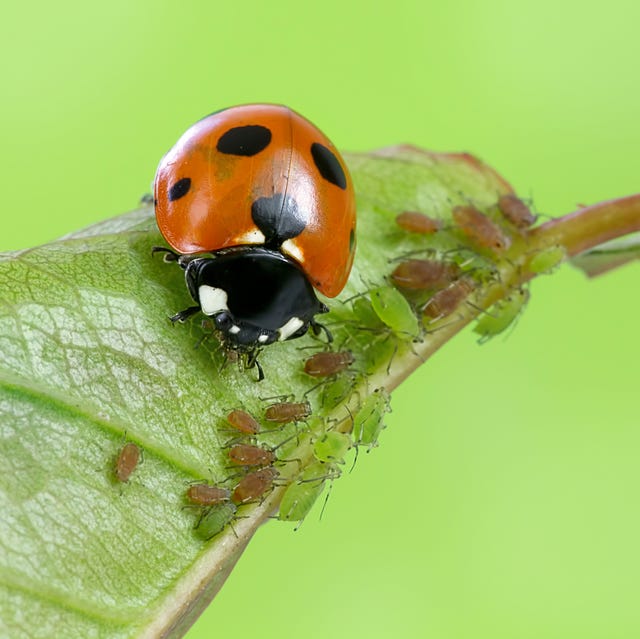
(588,227)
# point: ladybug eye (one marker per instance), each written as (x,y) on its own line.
(244,140)
(328,164)
(223,320)
(179,189)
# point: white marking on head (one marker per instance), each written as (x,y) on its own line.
(292,250)
(290,328)
(263,338)
(235,329)
(212,300)
(250,237)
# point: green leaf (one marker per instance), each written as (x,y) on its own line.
(90,361)
(608,256)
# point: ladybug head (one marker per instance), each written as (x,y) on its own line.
(255,296)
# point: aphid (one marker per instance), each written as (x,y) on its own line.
(126,462)
(328,363)
(364,313)
(252,486)
(249,455)
(501,315)
(204,494)
(394,311)
(480,229)
(420,275)
(214,519)
(287,412)
(243,422)
(416,222)
(332,447)
(516,211)
(547,259)
(368,422)
(446,301)
(337,390)
(300,496)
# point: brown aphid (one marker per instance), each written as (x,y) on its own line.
(126,462)
(480,229)
(244,422)
(516,211)
(447,300)
(254,485)
(249,455)
(204,494)
(328,363)
(422,275)
(416,222)
(287,412)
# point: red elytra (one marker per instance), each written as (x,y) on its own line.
(212,190)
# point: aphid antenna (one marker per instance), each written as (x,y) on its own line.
(330,476)
(322,382)
(278,398)
(355,297)
(436,253)
(432,320)
(230,524)
(326,500)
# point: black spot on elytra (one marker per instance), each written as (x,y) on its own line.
(278,218)
(328,165)
(244,140)
(179,189)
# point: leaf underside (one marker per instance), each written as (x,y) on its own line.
(89,361)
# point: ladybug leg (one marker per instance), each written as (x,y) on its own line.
(183,316)
(169,255)
(318,328)
(252,360)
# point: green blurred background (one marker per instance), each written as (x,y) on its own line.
(503,501)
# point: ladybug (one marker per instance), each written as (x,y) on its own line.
(268,198)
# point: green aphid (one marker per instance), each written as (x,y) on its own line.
(394,311)
(300,496)
(368,422)
(364,313)
(547,259)
(336,391)
(214,520)
(501,315)
(332,447)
